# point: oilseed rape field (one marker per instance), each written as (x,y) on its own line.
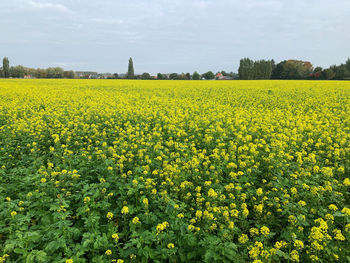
(174,171)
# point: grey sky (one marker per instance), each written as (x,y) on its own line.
(172,36)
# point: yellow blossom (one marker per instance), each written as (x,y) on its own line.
(136,220)
(265,231)
(299,244)
(243,239)
(259,191)
(294,255)
(125,210)
(171,245)
(332,207)
(346,211)
(109,215)
(115,236)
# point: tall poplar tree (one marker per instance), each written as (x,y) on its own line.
(130,74)
(6,67)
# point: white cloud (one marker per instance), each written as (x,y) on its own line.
(51,6)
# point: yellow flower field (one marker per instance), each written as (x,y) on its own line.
(174,171)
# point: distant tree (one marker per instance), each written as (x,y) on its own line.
(246,67)
(273,65)
(160,76)
(174,76)
(347,64)
(316,73)
(18,71)
(296,69)
(54,73)
(208,75)
(6,67)
(145,76)
(131,73)
(262,69)
(327,74)
(40,73)
(69,74)
(1,73)
(317,69)
(196,76)
(278,70)
(341,72)
(290,71)
(188,76)
(182,76)
(31,72)
(115,76)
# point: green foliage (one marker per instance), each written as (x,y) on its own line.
(174,76)
(146,76)
(327,74)
(54,73)
(278,70)
(292,69)
(260,69)
(69,74)
(246,69)
(160,76)
(341,72)
(18,71)
(208,75)
(196,76)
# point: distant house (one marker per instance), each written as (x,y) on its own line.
(28,77)
(92,75)
(219,76)
(86,74)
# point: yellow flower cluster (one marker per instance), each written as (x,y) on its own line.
(136,220)
(109,215)
(162,226)
(4,257)
(171,245)
(125,210)
(265,231)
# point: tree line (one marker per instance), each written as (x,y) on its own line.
(20,72)
(248,70)
(291,69)
(172,76)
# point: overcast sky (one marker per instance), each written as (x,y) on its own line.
(172,36)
